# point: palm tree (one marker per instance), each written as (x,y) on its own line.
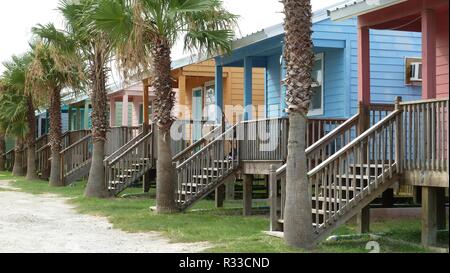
(298,55)
(13,112)
(204,26)
(2,151)
(16,71)
(55,66)
(2,135)
(97,47)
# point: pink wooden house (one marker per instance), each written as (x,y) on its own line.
(425,123)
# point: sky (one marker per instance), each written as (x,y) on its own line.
(19,16)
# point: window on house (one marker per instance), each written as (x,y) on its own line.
(413,71)
(316,107)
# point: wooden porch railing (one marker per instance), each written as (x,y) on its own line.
(266,139)
(425,135)
(119,136)
(129,166)
(320,150)
(207,168)
(196,146)
(75,157)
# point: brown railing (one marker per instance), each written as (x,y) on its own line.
(119,136)
(354,172)
(425,135)
(196,146)
(207,168)
(75,157)
(264,139)
(131,165)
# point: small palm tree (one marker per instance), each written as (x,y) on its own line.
(299,57)
(146,31)
(55,66)
(23,106)
(13,112)
(97,47)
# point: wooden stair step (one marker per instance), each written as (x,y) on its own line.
(333,200)
(186,192)
(116,182)
(204,176)
(369,165)
(344,188)
(356,176)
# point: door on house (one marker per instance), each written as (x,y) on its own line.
(197,113)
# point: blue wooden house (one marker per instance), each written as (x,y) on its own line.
(335,69)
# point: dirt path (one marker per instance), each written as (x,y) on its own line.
(46,223)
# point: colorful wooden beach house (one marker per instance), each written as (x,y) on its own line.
(423,125)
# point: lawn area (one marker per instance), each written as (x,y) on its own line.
(224,228)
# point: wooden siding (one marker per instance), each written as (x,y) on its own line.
(233,85)
(442,55)
(388,52)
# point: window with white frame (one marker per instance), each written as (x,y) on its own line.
(317,100)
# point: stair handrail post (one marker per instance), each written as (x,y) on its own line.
(274,225)
(363,125)
(61,169)
(398,138)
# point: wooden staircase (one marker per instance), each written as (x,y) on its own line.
(130,163)
(346,178)
(207,168)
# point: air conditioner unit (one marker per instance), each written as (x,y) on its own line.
(416,72)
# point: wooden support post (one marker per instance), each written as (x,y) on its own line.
(78,118)
(273,196)
(248,86)
(429,223)
(417,195)
(248,194)
(112,112)
(388,198)
(363,221)
(363,218)
(125,110)
(220,196)
(151,174)
(229,189)
(86,114)
(429,54)
(146,106)
(441,214)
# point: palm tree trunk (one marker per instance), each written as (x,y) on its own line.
(299,58)
(96,186)
(55,136)
(2,152)
(31,142)
(18,169)
(164,103)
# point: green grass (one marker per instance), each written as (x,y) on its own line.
(224,228)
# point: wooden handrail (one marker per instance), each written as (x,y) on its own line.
(130,149)
(206,147)
(43,148)
(76,143)
(195,145)
(124,148)
(424,101)
(324,140)
(356,141)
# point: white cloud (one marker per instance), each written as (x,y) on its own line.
(19,16)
